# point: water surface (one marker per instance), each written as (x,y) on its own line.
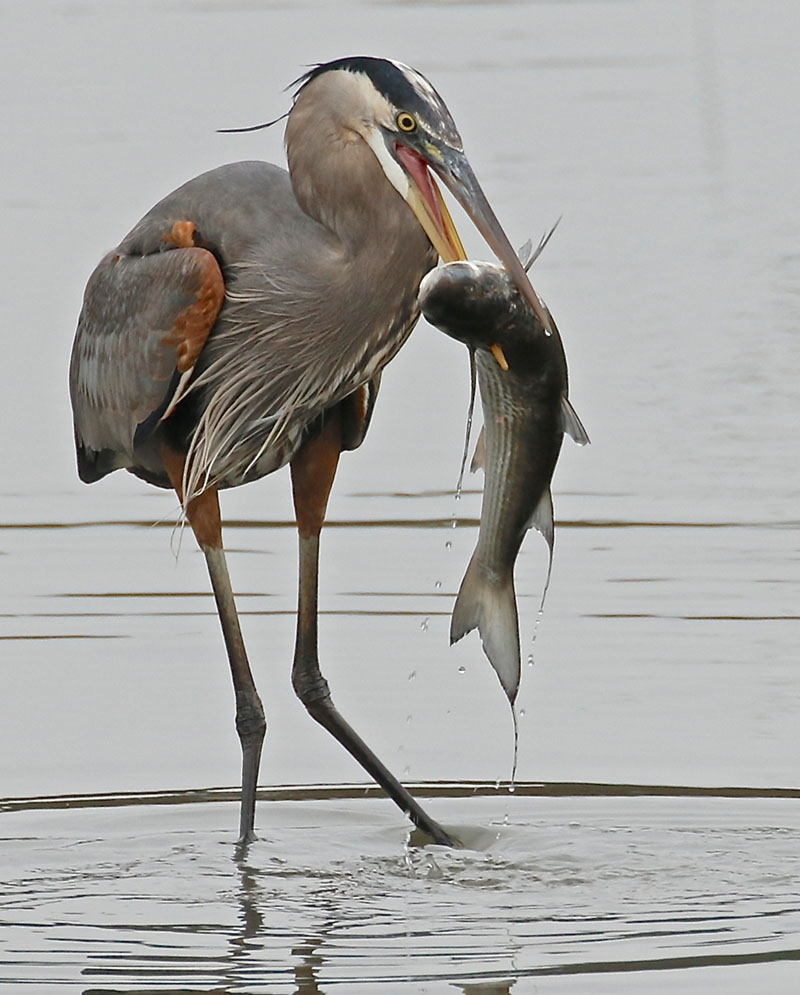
(665,134)
(550,894)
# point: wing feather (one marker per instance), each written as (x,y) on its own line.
(144,322)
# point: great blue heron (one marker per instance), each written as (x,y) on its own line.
(244,322)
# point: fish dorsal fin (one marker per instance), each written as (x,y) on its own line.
(479,456)
(572,424)
(527,255)
(542,518)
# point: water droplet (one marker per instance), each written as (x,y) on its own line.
(448,545)
(424,624)
(438,585)
(505,819)
(497,784)
(511,789)
(406,771)
(522,713)
(453,522)
(462,670)
(530,659)
(409,719)
(412,675)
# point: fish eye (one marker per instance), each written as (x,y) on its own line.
(406,122)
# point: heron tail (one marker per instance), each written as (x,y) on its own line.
(487,603)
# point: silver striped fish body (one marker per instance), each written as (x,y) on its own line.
(522,439)
(526,411)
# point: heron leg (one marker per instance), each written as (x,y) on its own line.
(313,470)
(204,516)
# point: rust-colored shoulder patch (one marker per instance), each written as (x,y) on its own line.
(193,325)
(181,234)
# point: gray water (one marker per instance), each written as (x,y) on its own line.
(651,843)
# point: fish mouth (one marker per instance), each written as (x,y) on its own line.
(425,200)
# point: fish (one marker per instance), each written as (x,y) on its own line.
(523,382)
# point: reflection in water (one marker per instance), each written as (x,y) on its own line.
(308,961)
(582,885)
(250,918)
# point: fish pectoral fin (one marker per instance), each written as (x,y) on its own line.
(489,605)
(479,456)
(572,424)
(542,519)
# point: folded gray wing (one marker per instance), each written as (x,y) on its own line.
(144,321)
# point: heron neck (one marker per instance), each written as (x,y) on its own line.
(339,183)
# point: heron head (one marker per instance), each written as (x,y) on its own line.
(406,124)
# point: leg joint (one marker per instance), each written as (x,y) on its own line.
(312,689)
(250,722)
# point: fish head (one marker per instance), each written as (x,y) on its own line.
(469,301)
(479,304)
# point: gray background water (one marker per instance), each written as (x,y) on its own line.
(666,135)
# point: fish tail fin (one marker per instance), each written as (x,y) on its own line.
(488,604)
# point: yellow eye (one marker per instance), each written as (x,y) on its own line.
(406,122)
